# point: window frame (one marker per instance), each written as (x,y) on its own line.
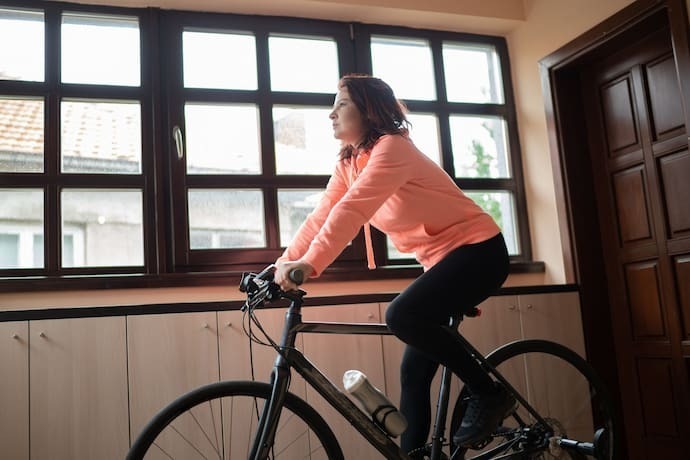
(163,181)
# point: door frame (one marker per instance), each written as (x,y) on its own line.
(583,253)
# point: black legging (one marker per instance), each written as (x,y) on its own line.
(462,280)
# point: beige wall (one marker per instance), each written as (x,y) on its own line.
(533,28)
(549,24)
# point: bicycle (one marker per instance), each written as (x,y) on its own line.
(275,424)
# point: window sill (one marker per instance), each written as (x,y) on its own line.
(227,278)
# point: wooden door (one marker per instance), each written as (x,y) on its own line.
(78,389)
(641,170)
(14,390)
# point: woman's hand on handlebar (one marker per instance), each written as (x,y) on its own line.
(284,269)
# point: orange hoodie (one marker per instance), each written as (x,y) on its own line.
(401,192)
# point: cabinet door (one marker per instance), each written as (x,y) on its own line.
(78,388)
(236,358)
(170,355)
(14,390)
(556,388)
(334,354)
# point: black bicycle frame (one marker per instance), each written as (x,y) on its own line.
(289,357)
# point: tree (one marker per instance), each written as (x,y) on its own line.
(484,199)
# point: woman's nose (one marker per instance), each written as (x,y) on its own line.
(332,115)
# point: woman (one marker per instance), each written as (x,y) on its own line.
(382,178)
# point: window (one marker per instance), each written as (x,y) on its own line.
(119,155)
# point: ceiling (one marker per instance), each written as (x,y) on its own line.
(496,17)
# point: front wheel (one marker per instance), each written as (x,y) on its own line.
(218,421)
(564,390)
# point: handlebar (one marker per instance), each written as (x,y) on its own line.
(260,286)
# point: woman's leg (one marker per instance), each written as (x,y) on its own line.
(462,280)
(416,373)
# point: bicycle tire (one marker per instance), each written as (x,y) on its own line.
(208,417)
(576,416)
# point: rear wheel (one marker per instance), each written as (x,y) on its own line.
(564,390)
(218,421)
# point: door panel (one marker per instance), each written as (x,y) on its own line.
(640,165)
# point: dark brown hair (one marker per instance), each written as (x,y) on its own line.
(381,112)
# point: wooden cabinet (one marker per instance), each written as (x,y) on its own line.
(334,354)
(94,382)
(78,389)
(168,355)
(14,390)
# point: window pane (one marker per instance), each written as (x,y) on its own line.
(225,218)
(219,60)
(480,147)
(308,65)
(222,139)
(394,254)
(304,142)
(21,219)
(21,135)
(501,207)
(100,137)
(293,208)
(406,65)
(24,59)
(473,73)
(100,50)
(102,228)
(424,134)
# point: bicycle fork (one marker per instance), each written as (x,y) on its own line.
(268,421)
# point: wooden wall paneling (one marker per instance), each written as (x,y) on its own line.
(170,355)
(78,389)
(336,353)
(14,389)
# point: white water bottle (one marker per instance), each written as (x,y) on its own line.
(375,403)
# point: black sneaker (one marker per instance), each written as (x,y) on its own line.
(483,414)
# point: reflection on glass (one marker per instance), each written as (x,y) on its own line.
(226,219)
(304,142)
(308,65)
(501,207)
(22,45)
(293,208)
(406,65)
(473,73)
(222,139)
(479,146)
(21,135)
(100,137)
(424,134)
(101,50)
(102,228)
(219,60)
(21,221)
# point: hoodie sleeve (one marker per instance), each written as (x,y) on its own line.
(387,170)
(335,189)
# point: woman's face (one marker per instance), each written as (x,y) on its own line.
(348,125)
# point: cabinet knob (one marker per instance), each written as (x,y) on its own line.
(530,306)
(205,325)
(512,308)
(15,336)
(228,324)
(42,334)
(370,316)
